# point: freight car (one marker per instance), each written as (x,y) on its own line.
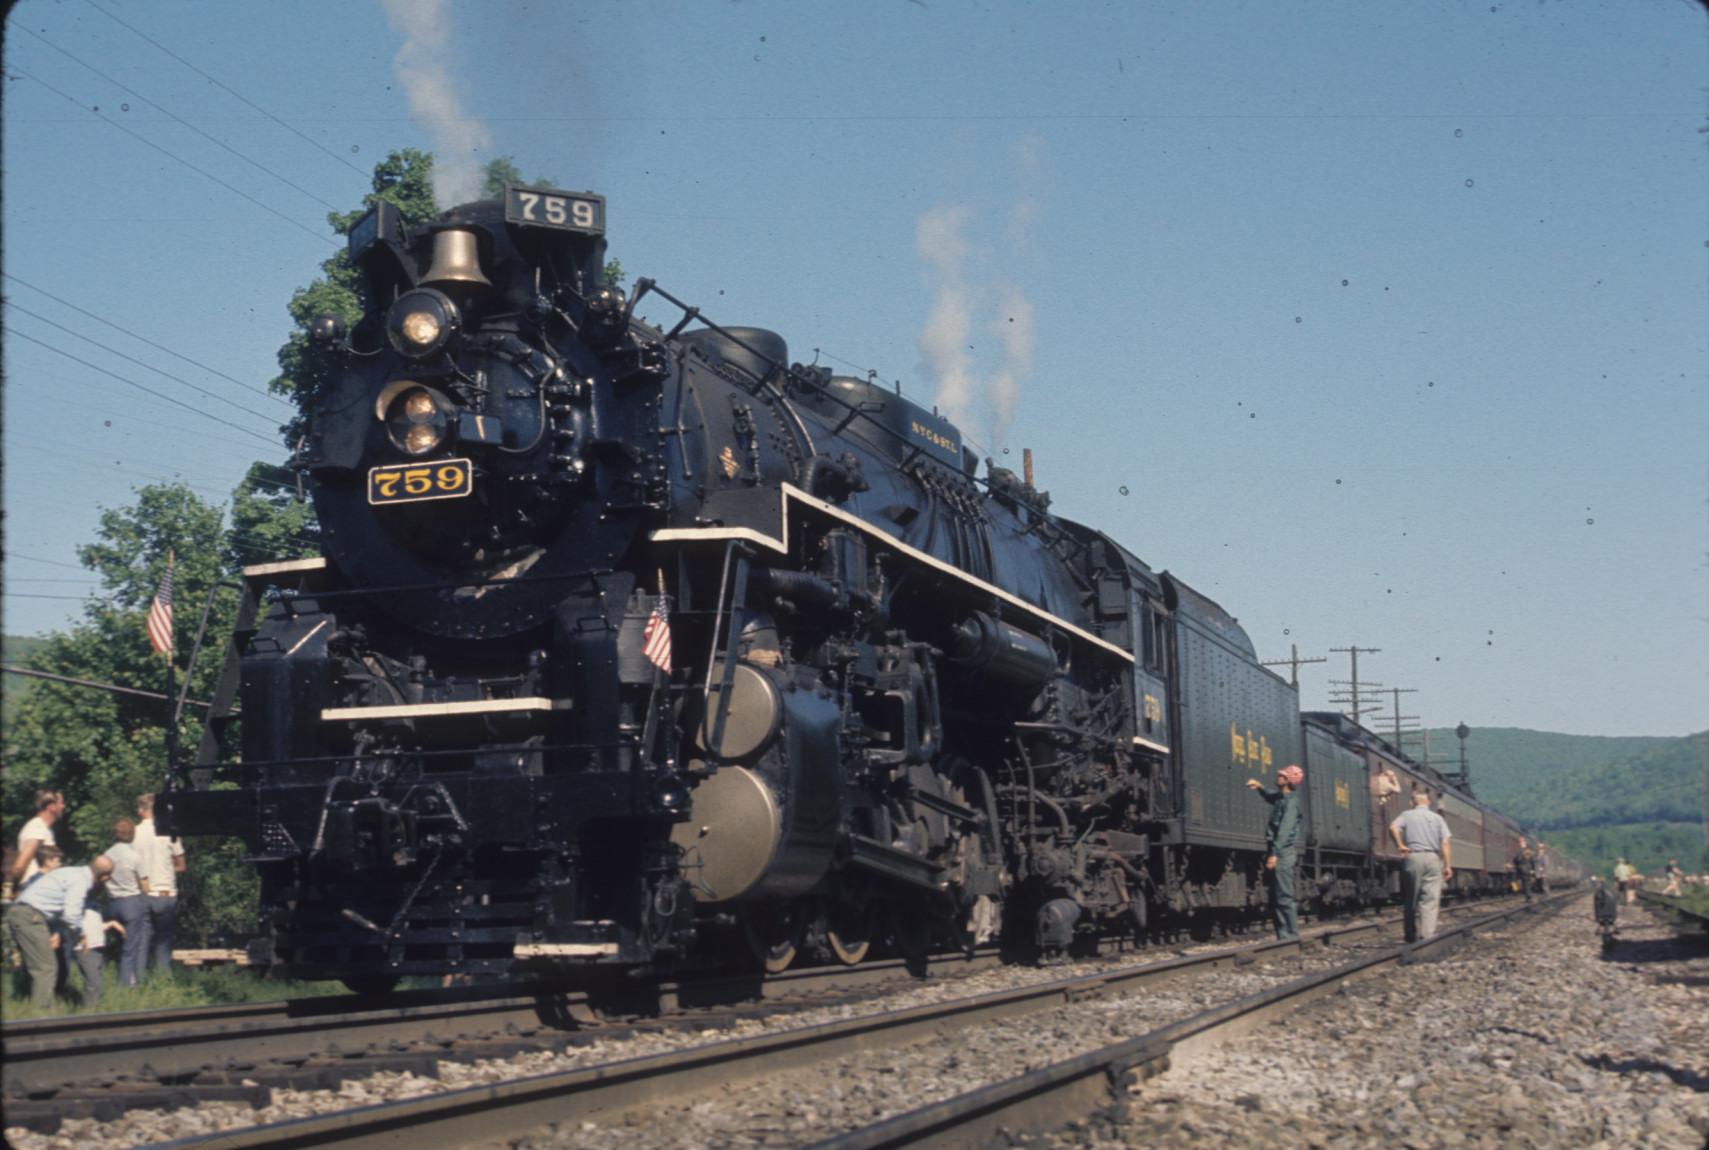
(635,646)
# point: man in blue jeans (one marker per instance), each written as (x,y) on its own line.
(162,863)
(129,905)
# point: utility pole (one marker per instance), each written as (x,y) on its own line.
(1350,689)
(1292,661)
(1399,718)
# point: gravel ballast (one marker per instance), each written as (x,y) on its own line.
(1525,1038)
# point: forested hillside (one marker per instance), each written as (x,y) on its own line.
(15,650)
(1594,796)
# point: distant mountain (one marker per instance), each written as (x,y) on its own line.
(19,648)
(1597,797)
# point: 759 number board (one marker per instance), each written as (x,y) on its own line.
(415,482)
(549,208)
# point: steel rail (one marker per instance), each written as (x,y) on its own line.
(1053,1095)
(43,1054)
(481,1115)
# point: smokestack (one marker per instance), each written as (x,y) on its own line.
(1027,465)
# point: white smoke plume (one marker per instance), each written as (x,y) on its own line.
(423,67)
(980,401)
(943,343)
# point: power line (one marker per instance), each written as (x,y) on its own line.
(229,89)
(132,359)
(73,598)
(164,111)
(49,562)
(179,159)
(112,687)
(46,579)
(145,339)
(145,389)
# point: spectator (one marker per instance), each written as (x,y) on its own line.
(1385,784)
(55,900)
(1424,841)
(1626,878)
(1525,868)
(37,833)
(1607,909)
(50,859)
(1673,877)
(92,953)
(162,863)
(130,905)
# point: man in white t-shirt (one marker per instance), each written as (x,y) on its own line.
(162,863)
(37,833)
(129,903)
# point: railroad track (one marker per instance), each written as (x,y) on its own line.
(102,1065)
(1054,1095)
(478,1115)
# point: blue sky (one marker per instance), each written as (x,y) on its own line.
(1380,323)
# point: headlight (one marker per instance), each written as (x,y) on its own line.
(417,417)
(421,322)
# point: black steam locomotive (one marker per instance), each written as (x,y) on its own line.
(635,647)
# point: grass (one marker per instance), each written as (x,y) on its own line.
(159,990)
(1694,899)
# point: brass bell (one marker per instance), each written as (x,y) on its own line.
(456,259)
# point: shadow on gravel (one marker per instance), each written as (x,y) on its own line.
(1652,950)
(1690,1079)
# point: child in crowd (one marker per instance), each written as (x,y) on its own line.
(92,953)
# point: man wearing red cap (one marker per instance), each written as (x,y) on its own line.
(1281,845)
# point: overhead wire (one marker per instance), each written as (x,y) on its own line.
(49,562)
(132,359)
(134,94)
(144,339)
(227,88)
(143,387)
(306,230)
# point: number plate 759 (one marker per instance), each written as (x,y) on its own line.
(413,482)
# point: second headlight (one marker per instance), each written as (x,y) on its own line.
(417,418)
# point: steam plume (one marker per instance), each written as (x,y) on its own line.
(943,343)
(423,67)
(963,294)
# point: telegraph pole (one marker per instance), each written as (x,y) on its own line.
(1292,661)
(1399,718)
(1350,689)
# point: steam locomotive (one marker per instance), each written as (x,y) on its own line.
(634,647)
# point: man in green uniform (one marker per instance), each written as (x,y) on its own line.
(1281,845)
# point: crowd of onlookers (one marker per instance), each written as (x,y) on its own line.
(60,915)
(1672,881)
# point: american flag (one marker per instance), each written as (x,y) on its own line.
(656,640)
(160,614)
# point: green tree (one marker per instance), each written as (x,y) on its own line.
(103,749)
(403,179)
